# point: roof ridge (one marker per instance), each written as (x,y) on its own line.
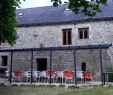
(39,7)
(33,7)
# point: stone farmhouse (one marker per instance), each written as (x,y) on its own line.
(49,26)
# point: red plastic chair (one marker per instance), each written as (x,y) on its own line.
(53,75)
(17,76)
(88,76)
(69,75)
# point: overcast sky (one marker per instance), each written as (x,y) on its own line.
(36,3)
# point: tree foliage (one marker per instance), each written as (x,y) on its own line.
(89,8)
(8,21)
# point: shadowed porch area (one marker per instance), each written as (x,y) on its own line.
(51,68)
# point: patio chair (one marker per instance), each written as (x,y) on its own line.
(27,75)
(7,73)
(60,75)
(79,75)
(53,76)
(69,75)
(36,76)
(88,76)
(17,76)
(42,76)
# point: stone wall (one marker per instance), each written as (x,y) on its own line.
(100,32)
(64,60)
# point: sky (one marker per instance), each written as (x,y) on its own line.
(36,3)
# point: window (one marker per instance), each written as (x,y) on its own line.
(66,36)
(83,33)
(4,60)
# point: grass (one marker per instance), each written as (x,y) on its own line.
(36,90)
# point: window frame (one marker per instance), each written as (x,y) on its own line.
(67,40)
(4,60)
(83,35)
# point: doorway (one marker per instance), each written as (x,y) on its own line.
(41,64)
(83,67)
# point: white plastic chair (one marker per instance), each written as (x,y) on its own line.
(42,75)
(36,75)
(60,74)
(7,73)
(79,75)
(27,75)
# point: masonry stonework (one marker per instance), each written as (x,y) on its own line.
(100,32)
(63,60)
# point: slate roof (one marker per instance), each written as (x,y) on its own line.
(58,15)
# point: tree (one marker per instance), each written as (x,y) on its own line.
(88,7)
(8,21)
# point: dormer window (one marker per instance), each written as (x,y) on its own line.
(20,14)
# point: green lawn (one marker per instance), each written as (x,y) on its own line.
(27,90)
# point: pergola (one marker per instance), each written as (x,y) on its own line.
(50,49)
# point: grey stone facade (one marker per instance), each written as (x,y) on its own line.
(100,32)
(63,60)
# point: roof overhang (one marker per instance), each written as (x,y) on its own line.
(67,22)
